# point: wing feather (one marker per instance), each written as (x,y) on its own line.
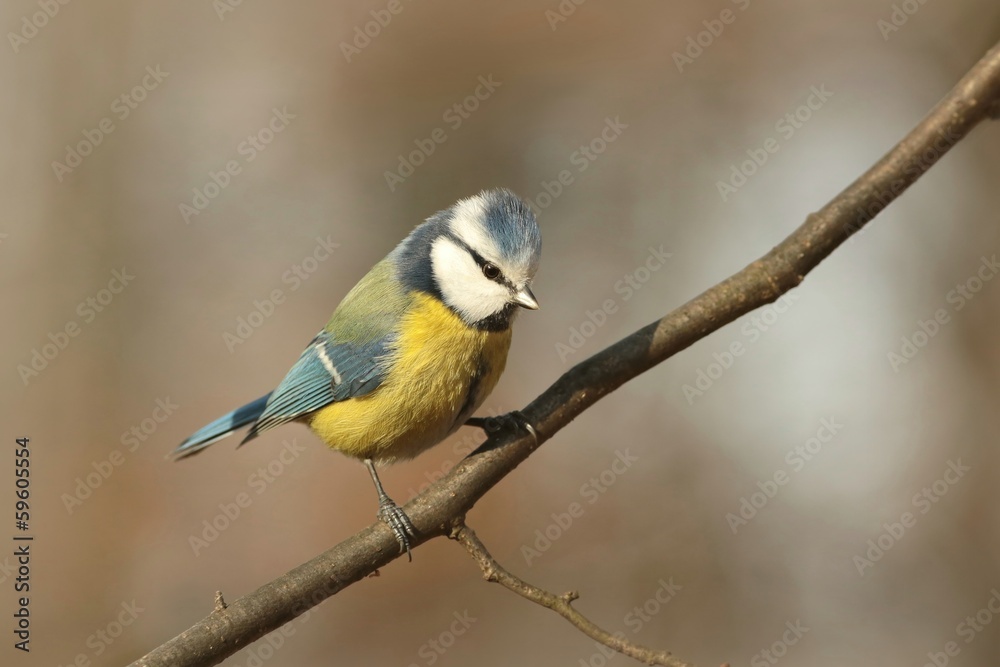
(326,372)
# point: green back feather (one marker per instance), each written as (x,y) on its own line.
(372,309)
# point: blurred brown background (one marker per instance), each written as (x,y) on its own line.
(224,68)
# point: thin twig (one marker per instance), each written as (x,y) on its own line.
(974,99)
(560,604)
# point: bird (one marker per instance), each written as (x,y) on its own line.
(413,349)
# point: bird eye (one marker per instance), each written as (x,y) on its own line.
(491,271)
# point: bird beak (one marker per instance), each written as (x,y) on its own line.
(525,298)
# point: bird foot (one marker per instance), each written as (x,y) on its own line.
(394,517)
(512,419)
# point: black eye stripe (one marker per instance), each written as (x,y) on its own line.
(482,261)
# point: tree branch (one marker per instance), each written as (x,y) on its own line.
(560,604)
(226,630)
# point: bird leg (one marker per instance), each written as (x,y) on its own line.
(392,514)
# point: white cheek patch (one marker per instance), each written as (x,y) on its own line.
(462,283)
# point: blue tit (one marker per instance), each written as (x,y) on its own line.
(414,348)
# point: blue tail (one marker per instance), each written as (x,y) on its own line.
(221,427)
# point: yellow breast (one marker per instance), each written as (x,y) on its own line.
(441,372)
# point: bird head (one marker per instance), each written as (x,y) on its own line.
(480,257)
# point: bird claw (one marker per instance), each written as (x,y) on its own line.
(393,516)
(514,418)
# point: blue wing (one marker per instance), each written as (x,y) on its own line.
(327,371)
